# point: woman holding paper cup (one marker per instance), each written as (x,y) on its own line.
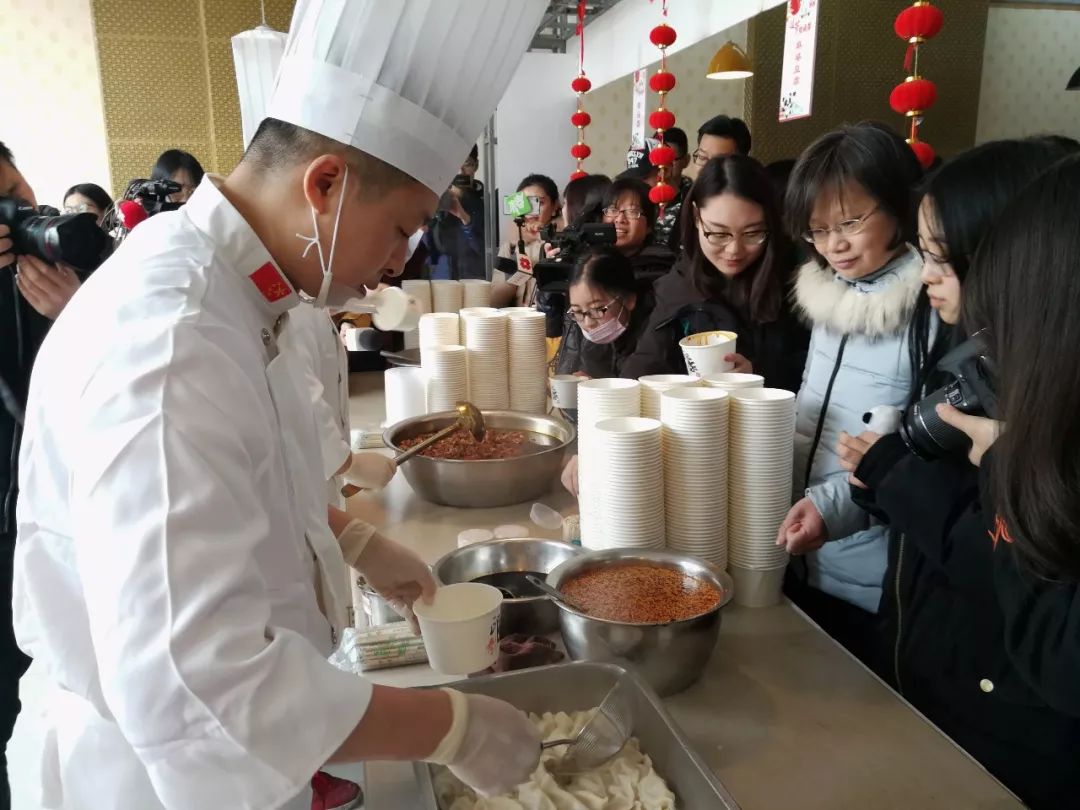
(732,278)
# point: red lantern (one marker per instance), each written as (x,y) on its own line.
(913,96)
(662,119)
(581,84)
(580,151)
(662,156)
(924,152)
(920,21)
(795,5)
(662,82)
(662,194)
(581,119)
(578,175)
(663,36)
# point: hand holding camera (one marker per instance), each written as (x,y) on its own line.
(981,430)
(46,287)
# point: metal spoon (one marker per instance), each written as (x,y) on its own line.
(557,595)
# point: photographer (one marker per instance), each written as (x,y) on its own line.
(182,168)
(519,288)
(946,640)
(455,245)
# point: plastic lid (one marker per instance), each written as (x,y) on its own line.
(545,517)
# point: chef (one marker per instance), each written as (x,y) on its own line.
(170,530)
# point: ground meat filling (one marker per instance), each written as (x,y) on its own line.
(641,594)
(461,446)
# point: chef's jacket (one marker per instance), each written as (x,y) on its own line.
(170,530)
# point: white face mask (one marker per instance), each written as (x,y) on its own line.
(341,294)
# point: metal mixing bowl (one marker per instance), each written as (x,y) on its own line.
(535,615)
(479,484)
(670,657)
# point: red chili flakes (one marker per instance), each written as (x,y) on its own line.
(641,594)
(462,446)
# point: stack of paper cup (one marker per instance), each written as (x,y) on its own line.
(695,442)
(731,381)
(632,511)
(476,293)
(704,352)
(760,452)
(527,360)
(447,377)
(486,342)
(406,394)
(447,296)
(598,400)
(655,384)
(421,291)
(467,311)
(439,329)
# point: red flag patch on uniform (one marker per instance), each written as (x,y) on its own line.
(270,283)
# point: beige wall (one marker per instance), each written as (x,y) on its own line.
(50,97)
(1030,55)
(694,100)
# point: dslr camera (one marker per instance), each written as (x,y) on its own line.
(74,239)
(970,390)
(153,195)
(553,275)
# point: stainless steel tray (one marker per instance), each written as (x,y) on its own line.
(580,686)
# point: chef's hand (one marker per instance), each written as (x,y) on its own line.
(803,530)
(398,575)
(982,431)
(47,287)
(370,470)
(851,450)
(6,256)
(741,364)
(570,476)
(491,746)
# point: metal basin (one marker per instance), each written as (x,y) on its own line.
(482,484)
(535,615)
(670,657)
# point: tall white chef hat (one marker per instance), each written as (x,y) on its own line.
(411,82)
(256,57)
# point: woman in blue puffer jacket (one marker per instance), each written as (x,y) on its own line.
(851,197)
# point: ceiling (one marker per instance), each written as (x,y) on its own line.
(560,24)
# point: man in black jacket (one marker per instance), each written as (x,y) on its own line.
(29,301)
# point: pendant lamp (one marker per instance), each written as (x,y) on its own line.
(256,57)
(730,62)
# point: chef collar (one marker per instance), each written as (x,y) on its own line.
(238,245)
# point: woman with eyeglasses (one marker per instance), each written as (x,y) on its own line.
(851,198)
(733,275)
(627,206)
(87,198)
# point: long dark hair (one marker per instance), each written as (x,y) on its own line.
(583,199)
(967,194)
(93,192)
(173,160)
(759,289)
(1024,287)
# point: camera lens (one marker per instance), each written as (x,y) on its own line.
(73,239)
(923,430)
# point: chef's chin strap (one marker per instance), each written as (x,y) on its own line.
(327,265)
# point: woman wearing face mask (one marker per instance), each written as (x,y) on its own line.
(628,208)
(733,276)
(943,644)
(851,199)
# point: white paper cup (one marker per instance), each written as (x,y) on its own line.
(704,352)
(757,587)
(730,380)
(461,627)
(564,391)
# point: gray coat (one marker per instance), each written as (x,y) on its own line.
(859,335)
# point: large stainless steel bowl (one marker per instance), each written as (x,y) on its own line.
(535,615)
(479,484)
(670,657)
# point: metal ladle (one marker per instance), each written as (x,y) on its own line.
(555,594)
(468,418)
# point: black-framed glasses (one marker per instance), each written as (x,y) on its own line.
(631,213)
(724,238)
(593,313)
(849,227)
(700,158)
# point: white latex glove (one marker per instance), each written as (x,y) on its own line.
(395,573)
(491,746)
(370,470)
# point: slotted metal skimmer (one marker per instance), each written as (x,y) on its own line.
(600,739)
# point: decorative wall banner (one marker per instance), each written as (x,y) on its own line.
(637,122)
(800,50)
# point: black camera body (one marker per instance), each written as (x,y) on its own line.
(153,195)
(553,275)
(74,239)
(971,391)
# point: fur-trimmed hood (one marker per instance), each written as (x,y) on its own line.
(874,307)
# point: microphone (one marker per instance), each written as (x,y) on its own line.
(131,214)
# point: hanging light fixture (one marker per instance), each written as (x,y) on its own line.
(256,57)
(730,62)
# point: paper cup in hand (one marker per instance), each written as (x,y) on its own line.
(395,310)
(564,391)
(461,627)
(704,352)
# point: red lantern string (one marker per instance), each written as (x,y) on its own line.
(580,85)
(662,119)
(915,95)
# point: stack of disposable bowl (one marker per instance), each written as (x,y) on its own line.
(656,384)
(470,311)
(695,445)
(732,380)
(598,400)
(421,291)
(447,377)
(476,293)
(486,344)
(760,458)
(439,329)
(527,372)
(447,296)
(632,509)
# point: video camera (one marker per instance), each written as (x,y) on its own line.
(74,239)
(553,275)
(970,391)
(153,195)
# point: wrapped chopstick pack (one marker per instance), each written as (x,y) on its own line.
(390,645)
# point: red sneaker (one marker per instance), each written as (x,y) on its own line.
(330,793)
